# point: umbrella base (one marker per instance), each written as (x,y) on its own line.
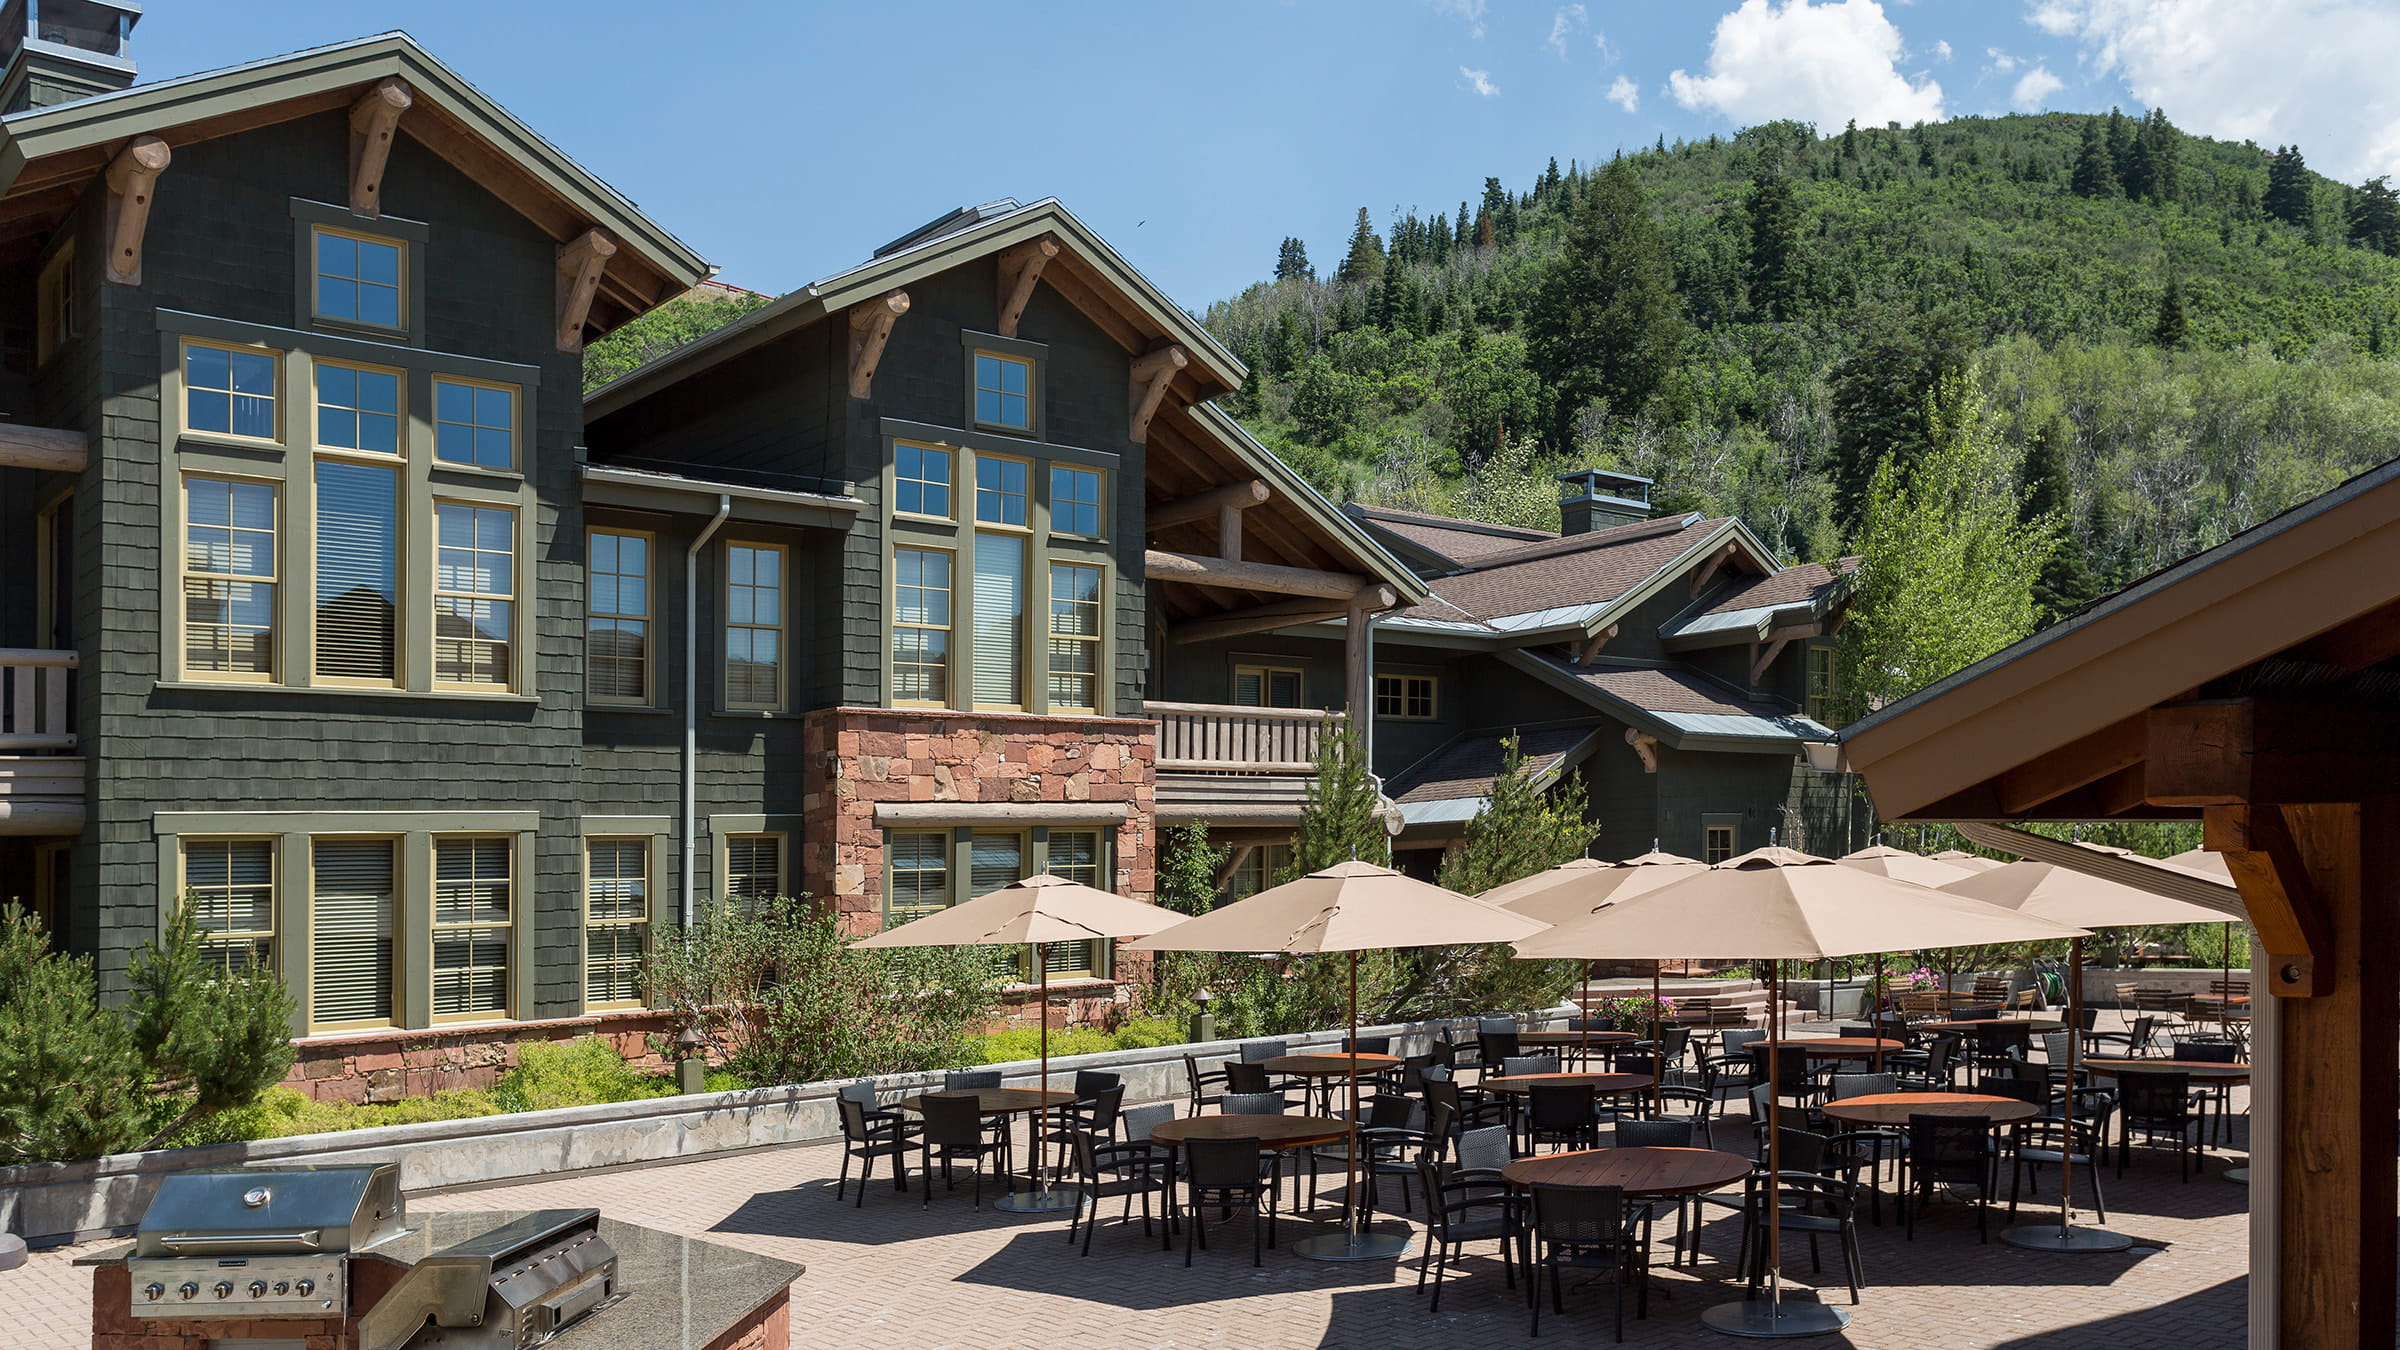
(1038,1202)
(1758,1319)
(2239,1176)
(1353,1247)
(2051,1237)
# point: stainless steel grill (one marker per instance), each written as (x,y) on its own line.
(510,1288)
(259,1242)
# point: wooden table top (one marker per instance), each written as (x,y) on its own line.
(1844,1047)
(2209,1069)
(1606,1084)
(2220,998)
(1328,1066)
(1641,1171)
(997,1101)
(1573,1038)
(2035,1024)
(1269,1131)
(1894,1108)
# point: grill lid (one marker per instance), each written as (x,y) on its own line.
(270,1210)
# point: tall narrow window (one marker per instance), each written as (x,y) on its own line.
(229,567)
(474,593)
(920,626)
(474,424)
(753,626)
(358,598)
(1821,685)
(1003,391)
(1074,500)
(229,888)
(920,875)
(358,409)
(616,926)
(229,391)
(753,867)
(921,480)
(616,643)
(1266,687)
(1074,637)
(471,903)
(350,932)
(358,279)
(999,621)
(1075,855)
(994,859)
(1001,490)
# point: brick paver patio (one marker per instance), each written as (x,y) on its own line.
(896,1274)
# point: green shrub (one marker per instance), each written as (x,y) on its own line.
(1148,1033)
(586,1071)
(1005,1047)
(283,1112)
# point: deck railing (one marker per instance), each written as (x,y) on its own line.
(34,701)
(1216,738)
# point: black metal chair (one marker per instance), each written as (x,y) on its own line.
(2137,1038)
(963,1080)
(1230,1174)
(2047,1143)
(1951,1151)
(1794,1081)
(1389,1145)
(1518,1066)
(1561,1113)
(1104,1169)
(1938,1071)
(2158,1104)
(2212,1092)
(1463,1206)
(1796,1151)
(1094,1116)
(954,1129)
(1492,1048)
(866,1139)
(1810,1206)
(1999,1048)
(1246,1078)
(1466,1112)
(1588,1228)
(1198,1081)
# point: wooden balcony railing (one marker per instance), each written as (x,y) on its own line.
(33,701)
(1215,738)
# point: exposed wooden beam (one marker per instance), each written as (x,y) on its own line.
(1358,669)
(2221,752)
(2264,857)
(1762,655)
(1159,565)
(1020,268)
(2073,765)
(2367,640)
(132,180)
(1151,374)
(1202,505)
(1234,858)
(1708,569)
(1645,745)
(870,327)
(581,260)
(1581,652)
(373,119)
(1273,615)
(24,447)
(1229,533)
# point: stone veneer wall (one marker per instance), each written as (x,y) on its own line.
(385,1066)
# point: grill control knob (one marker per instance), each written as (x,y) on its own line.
(282,1287)
(224,1289)
(154,1290)
(258,1289)
(187,1290)
(304,1288)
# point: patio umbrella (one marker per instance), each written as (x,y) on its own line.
(1973,862)
(1349,907)
(2212,866)
(1035,912)
(1884,860)
(2046,890)
(1577,887)
(1779,905)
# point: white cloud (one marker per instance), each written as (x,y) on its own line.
(2001,61)
(1469,10)
(1568,21)
(1480,81)
(1607,53)
(1625,94)
(1941,51)
(2314,72)
(2034,90)
(1822,63)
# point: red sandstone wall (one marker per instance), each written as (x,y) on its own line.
(385,1066)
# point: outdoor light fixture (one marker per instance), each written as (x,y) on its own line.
(691,1065)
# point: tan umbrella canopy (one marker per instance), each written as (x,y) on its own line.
(1574,889)
(1348,907)
(1886,861)
(2207,864)
(1973,862)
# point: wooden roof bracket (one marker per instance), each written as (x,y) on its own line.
(1762,655)
(1020,268)
(1583,651)
(373,119)
(581,260)
(1645,745)
(870,327)
(1151,374)
(132,180)
(1708,570)
(2284,907)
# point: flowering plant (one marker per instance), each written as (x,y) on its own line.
(1633,1011)
(1923,979)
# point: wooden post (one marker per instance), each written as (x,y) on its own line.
(373,119)
(1229,533)
(132,179)
(1358,654)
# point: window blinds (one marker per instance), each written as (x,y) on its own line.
(358,533)
(470,926)
(999,620)
(350,931)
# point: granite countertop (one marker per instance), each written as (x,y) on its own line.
(679,1293)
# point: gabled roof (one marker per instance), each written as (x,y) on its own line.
(1452,783)
(1576,582)
(1757,609)
(1682,707)
(1442,539)
(48,155)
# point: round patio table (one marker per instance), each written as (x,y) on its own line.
(1329,1069)
(1269,1131)
(1843,1047)
(2037,1025)
(2200,1070)
(1569,1040)
(997,1101)
(1640,1171)
(1604,1084)
(1891,1110)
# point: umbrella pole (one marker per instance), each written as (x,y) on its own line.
(1658,1047)
(1583,1053)
(1353,1243)
(2066,1237)
(1041,1199)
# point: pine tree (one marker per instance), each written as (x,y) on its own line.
(1774,218)
(2165,155)
(2290,197)
(1463,230)
(1499,212)
(2375,216)
(1364,261)
(1341,818)
(2168,331)
(1523,827)
(2065,584)
(2141,178)
(2120,143)
(1292,260)
(1850,140)
(1879,394)
(2095,175)
(1606,322)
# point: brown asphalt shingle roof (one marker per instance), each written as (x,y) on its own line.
(1582,569)
(1668,690)
(1791,586)
(1460,540)
(1468,766)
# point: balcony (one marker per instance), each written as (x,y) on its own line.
(1235,766)
(41,776)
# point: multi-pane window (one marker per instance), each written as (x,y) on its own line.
(1820,685)
(1266,687)
(920,626)
(229,567)
(1074,500)
(920,875)
(1258,869)
(1003,391)
(358,279)
(350,931)
(753,867)
(474,424)
(358,409)
(1075,856)
(1001,487)
(921,480)
(994,859)
(229,889)
(616,926)
(616,642)
(474,593)
(1074,636)
(229,391)
(1404,696)
(1716,844)
(357,555)
(471,904)
(753,626)
(999,621)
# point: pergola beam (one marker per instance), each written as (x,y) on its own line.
(1278,614)
(870,328)
(2104,752)
(132,181)
(24,447)
(1272,578)
(2258,751)
(373,119)
(1203,505)
(1020,268)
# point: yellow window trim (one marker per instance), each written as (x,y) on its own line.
(726,625)
(516,423)
(892,627)
(515,925)
(1033,393)
(400,305)
(183,394)
(183,573)
(650,860)
(365,456)
(514,596)
(649,616)
(958,456)
(975,513)
(400,884)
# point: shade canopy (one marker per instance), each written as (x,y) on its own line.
(2207,864)
(1885,861)
(1348,907)
(1779,904)
(1973,862)
(2048,891)
(1040,908)
(1568,891)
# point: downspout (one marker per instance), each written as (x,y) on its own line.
(691,690)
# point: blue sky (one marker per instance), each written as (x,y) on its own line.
(786,141)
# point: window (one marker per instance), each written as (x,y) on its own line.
(1003,391)
(920,627)
(616,926)
(229,565)
(475,424)
(1000,490)
(1074,637)
(920,480)
(1820,685)
(1266,687)
(55,303)
(229,391)
(616,640)
(753,626)
(471,904)
(920,875)
(1258,869)
(753,867)
(1075,855)
(474,589)
(229,889)
(358,599)
(358,279)
(994,859)
(1404,696)
(1074,500)
(350,932)
(999,621)
(358,409)
(1717,845)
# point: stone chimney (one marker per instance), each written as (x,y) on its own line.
(1600,499)
(58,51)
